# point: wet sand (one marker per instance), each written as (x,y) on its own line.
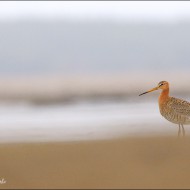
(146,162)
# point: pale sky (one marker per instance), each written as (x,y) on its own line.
(145,10)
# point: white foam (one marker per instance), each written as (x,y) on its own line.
(83,121)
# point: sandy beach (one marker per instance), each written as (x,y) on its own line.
(70,78)
(48,89)
(146,162)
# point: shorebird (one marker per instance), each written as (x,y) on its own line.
(173,109)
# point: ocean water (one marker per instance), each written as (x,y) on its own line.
(81,121)
(41,47)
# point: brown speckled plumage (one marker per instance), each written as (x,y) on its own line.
(176,110)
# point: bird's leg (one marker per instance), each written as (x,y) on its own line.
(179,131)
(183,129)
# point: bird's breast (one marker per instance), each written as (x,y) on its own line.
(168,114)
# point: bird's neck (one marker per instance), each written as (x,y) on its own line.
(164,96)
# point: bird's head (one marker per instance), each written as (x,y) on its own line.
(163,85)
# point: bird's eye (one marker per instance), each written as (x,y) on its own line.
(161,84)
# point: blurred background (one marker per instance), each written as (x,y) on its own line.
(74,70)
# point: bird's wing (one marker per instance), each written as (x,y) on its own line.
(179,106)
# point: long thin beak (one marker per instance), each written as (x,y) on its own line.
(153,89)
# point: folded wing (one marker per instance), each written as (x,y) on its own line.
(179,106)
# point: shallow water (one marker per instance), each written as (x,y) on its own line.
(81,121)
